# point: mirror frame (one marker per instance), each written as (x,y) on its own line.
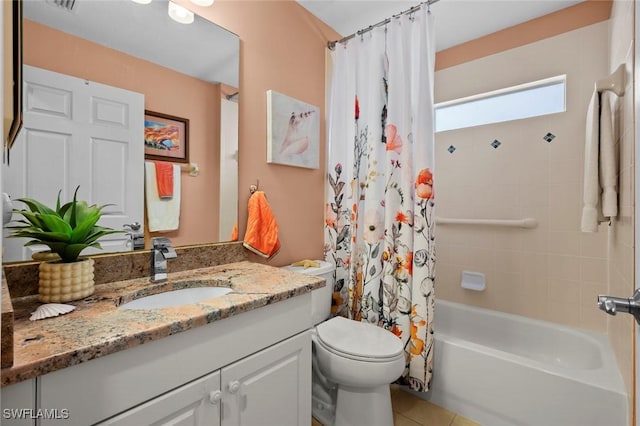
(13,87)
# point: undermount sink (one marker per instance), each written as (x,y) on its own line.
(169,299)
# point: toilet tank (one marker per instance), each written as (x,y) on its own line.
(320,298)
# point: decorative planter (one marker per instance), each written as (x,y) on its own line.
(63,282)
(43,256)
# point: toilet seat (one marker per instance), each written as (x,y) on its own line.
(358,340)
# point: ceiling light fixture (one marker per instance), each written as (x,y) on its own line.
(142,1)
(180,14)
(203,3)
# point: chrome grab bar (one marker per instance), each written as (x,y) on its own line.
(527,222)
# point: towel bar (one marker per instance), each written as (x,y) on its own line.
(614,83)
(513,223)
(191,168)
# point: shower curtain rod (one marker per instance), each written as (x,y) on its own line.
(332,44)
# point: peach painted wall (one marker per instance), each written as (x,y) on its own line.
(184,97)
(568,19)
(282,48)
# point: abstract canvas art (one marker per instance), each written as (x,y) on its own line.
(293,132)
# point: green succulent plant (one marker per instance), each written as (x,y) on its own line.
(67,230)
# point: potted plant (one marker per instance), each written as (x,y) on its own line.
(67,230)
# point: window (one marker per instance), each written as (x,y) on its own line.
(527,100)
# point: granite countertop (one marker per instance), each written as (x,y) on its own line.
(97,327)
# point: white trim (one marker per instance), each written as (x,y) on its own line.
(636,113)
(519,88)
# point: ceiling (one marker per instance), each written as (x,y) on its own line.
(456,21)
(146,31)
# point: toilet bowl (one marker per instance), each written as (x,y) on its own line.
(353,363)
(362,360)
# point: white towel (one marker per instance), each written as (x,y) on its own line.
(163,214)
(608,155)
(600,199)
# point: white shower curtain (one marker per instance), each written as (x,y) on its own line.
(379,229)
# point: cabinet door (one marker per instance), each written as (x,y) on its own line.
(77,132)
(194,404)
(271,387)
(18,403)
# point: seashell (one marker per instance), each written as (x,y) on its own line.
(49,310)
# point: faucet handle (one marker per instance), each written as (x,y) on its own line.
(169,253)
(135,226)
(612,304)
(607,305)
(160,242)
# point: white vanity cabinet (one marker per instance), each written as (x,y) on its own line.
(270,387)
(262,389)
(196,403)
(18,404)
(259,360)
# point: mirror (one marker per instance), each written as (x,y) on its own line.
(148,37)
(12,73)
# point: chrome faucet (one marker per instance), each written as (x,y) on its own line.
(161,250)
(613,305)
(135,234)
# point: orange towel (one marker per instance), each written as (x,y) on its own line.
(164,178)
(262,230)
(234,232)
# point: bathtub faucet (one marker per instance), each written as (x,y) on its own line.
(612,305)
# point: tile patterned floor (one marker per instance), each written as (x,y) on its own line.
(409,410)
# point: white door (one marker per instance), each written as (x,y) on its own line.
(78,133)
(271,387)
(228,168)
(194,404)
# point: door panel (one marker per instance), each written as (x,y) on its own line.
(272,387)
(79,133)
(188,405)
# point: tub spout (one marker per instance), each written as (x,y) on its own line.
(612,305)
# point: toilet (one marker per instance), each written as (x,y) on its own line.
(353,363)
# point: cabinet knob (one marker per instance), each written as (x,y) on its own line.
(215,397)
(234,386)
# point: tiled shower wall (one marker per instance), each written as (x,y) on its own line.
(553,272)
(621,238)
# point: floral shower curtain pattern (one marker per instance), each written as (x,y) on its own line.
(379,229)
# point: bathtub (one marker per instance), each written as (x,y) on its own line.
(505,370)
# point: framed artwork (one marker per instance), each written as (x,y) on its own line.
(293,132)
(166,137)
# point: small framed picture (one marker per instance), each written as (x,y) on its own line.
(293,132)
(166,137)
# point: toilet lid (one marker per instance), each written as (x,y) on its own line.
(359,339)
